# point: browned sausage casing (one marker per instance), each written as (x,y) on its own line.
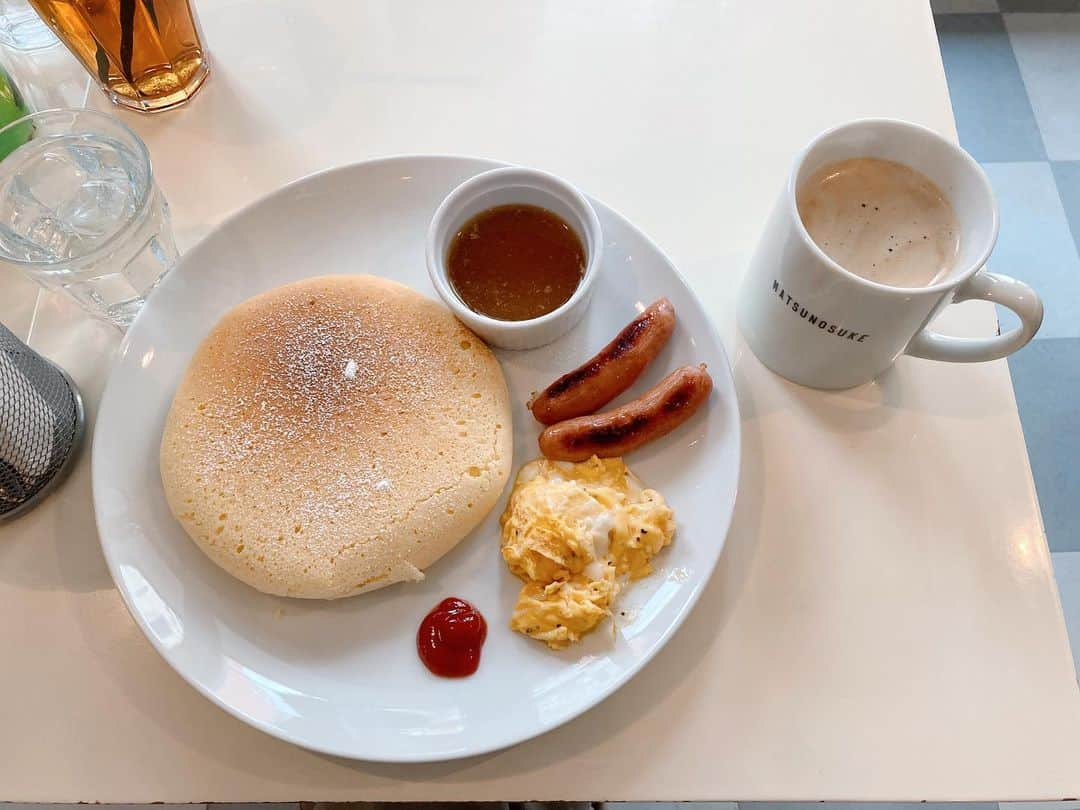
(655,413)
(593,384)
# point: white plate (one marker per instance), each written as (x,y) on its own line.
(343,677)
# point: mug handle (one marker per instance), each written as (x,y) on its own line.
(1008,292)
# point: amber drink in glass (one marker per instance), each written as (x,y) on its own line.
(147,55)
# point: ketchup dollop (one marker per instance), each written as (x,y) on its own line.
(450,638)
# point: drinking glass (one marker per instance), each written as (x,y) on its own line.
(145,54)
(80,212)
(21,28)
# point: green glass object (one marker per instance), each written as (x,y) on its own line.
(12,107)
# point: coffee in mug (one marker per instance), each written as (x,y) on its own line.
(880,220)
(880,226)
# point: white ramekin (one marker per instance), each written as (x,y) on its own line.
(510,186)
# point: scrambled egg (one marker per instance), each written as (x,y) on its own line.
(573,533)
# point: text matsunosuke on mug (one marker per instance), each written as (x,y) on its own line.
(811,320)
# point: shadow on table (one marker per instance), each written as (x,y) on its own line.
(55,547)
(239,118)
(910,386)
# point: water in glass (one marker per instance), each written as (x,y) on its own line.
(81,210)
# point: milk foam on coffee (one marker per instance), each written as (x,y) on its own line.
(881,220)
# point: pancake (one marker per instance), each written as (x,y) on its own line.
(335,436)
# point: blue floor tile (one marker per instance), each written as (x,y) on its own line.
(1041,6)
(993,115)
(1046,376)
(1067,574)
(1047,50)
(963,6)
(1035,244)
(1067,176)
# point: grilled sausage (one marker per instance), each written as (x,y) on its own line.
(603,377)
(655,413)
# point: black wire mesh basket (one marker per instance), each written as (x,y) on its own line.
(41,425)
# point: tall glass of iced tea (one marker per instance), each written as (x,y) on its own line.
(146,54)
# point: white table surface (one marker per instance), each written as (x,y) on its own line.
(884,622)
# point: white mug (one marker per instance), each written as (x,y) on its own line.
(812,321)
